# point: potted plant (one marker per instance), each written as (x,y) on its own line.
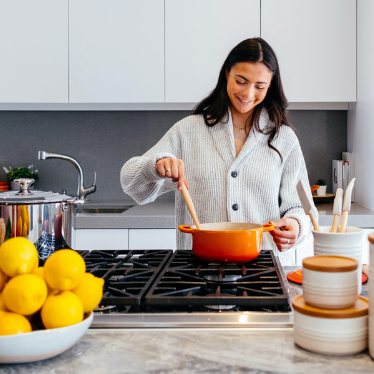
(20,172)
(322,187)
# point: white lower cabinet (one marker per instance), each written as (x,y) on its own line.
(101,239)
(114,239)
(152,239)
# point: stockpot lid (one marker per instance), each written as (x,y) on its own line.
(25,197)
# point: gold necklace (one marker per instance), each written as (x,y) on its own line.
(241,129)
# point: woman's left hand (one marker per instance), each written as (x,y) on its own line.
(285,233)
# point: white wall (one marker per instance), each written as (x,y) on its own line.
(361,114)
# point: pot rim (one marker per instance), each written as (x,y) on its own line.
(255,228)
(36,202)
(262,227)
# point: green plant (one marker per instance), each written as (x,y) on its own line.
(21,172)
(321,182)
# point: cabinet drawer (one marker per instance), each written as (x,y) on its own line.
(102,239)
(152,239)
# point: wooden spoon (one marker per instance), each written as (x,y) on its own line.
(346,205)
(306,204)
(191,208)
(337,210)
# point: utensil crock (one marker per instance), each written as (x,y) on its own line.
(346,244)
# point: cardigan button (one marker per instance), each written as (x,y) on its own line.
(235,207)
(234,174)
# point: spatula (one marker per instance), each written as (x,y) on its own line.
(190,206)
(346,205)
(337,210)
(306,204)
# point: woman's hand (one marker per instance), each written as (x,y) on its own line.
(285,233)
(172,168)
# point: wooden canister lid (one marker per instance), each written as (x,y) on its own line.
(360,309)
(371,238)
(330,264)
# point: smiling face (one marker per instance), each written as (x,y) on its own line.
(247,85)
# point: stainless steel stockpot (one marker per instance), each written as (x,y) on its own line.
(43,217)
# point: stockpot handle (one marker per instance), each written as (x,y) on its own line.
(185,228)
(267,227)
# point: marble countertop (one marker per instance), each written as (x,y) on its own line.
(161,214)
(159,351)
(192,351)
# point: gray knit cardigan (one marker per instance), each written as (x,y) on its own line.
(257,181)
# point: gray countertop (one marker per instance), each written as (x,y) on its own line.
(157,351)
(189,351)
(161,214)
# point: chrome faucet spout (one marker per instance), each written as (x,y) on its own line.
(82,192)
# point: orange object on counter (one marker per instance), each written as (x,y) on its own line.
(227,241)
(4,186)
(297,276)
(314,188)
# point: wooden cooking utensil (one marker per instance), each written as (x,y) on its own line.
(337,210)
(306,204)
(346,205)
(191,208)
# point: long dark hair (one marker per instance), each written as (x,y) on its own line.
(215,106)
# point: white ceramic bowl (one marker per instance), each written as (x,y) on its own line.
(331,336)
(330,282)
(346,244)
(42,344)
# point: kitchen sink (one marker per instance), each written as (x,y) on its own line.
(104,210)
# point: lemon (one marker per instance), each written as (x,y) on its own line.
(2,305)
(3,278)
(40,273)
(90,291)
(64,269)
(62,309)
(13,323)
(18,256)
(25,294)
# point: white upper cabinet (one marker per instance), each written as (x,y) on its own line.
(315,42)
(116,51)
(198,37)
(33,51)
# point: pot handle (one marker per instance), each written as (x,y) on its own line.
(267,227)
(185,228)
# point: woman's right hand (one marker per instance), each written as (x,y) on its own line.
(172,168)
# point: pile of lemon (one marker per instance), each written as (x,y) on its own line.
(58,294)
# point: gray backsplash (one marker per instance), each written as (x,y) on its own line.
(103,141)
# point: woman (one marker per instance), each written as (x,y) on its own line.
(238,153)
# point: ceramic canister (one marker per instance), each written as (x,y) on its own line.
(371,296)
(348,244)
(331,331)
(330,281)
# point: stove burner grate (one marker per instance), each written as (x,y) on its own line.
(186,280)
(128,274)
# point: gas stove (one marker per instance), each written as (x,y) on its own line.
(166,289)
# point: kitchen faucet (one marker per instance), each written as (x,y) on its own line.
(82,192)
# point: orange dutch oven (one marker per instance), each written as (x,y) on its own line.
(227,241)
